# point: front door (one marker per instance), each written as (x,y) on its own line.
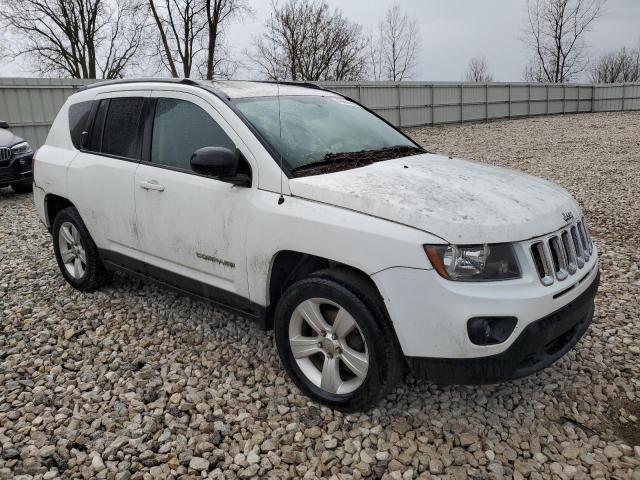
(191,227)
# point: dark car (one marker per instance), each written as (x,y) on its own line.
(15,161)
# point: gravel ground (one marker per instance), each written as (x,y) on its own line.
(137,382)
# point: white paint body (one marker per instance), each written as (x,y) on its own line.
(375,219)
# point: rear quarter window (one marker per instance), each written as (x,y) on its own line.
(79,114)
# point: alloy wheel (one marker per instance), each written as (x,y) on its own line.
(72,251)
(328,346)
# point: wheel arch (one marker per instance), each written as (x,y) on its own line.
(53,204)
(289,266)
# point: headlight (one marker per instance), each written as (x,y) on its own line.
(474,263)
(21,148)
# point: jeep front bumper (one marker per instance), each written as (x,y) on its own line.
(538,346)
(430,316)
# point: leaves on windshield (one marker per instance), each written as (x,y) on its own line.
(336,162)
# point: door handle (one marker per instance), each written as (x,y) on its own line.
(151,185)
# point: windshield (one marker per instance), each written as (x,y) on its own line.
(310,132)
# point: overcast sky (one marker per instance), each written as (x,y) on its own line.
(453,31)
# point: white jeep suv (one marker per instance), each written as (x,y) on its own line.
(303,210)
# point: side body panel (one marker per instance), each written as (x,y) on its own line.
(53,159)
(360,241)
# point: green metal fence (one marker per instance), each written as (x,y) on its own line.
(30,104)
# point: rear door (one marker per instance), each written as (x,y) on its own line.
(102,175)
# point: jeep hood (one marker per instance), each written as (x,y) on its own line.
(460,201)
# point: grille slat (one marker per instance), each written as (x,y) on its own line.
(577,245)
(561,255)
(5,154)
(560,261)
(541,259)
(585,242)
(572,259)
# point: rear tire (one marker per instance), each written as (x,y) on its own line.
(22,187)
(76,253)
(348,357)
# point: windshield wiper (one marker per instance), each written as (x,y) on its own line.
(333,162)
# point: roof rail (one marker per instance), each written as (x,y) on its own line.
(120,81)
(287,82)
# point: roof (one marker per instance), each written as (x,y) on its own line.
(232,88)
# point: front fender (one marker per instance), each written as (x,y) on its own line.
(358,240)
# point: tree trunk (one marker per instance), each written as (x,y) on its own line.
(165,43)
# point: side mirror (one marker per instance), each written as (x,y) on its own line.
(215,161)
(220,162)
(4,125)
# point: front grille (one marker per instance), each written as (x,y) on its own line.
(561,255)
(5,154)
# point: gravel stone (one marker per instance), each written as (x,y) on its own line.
(47,451)
(268,445)
(382,456)
(137,382)
(436,465)
(96,463)
(198,464)
(467,439)
(571,452)
(496,468)
(611,451)
(253,458)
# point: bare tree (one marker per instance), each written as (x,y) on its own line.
(181,25)
(555,31)
(75,38)
(617,67)
(304,40)
(191,36)
(219,13)
(392,52)
(478,71)
(374,58)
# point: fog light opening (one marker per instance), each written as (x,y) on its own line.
(490,330)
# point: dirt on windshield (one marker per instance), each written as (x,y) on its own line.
(336,162)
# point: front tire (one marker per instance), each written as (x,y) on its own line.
(76,253)
(336,342)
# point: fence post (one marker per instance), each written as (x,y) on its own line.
(461,107)
(593,97)
(564,99)
(359,92)
(578,105)
(433,108)
(529,101)
(546,89)
(486,101)
(624,90)
(509,97)
(399,104)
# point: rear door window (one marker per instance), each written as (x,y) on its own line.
(121,134)
(98,126)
